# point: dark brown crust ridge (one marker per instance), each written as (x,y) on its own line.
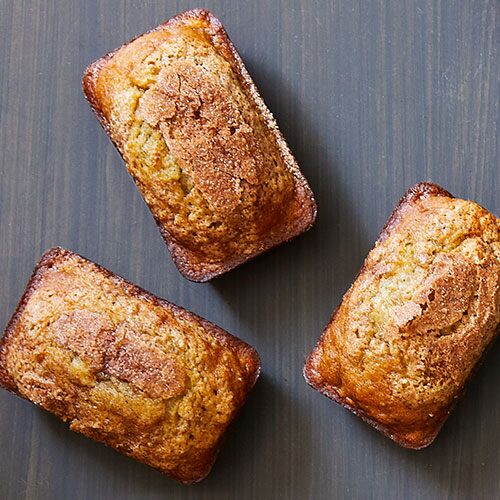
(193,467)
(312,372)
(412,195)
(291,224)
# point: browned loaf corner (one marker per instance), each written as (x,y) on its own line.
(418,318)
(201,145)
(148,378)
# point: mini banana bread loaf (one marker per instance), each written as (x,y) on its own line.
(150,379)
(201,145)
(418,318)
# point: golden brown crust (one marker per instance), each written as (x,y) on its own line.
(148,378)
(200,143)
(418,318)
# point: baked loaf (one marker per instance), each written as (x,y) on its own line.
(150,379)
(201,145)
(417,320)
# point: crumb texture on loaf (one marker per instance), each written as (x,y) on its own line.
(418,318)
(202,147)
(135,372)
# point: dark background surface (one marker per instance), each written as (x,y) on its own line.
(372,96)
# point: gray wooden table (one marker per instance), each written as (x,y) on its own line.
(372,96)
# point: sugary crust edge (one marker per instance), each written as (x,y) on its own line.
(5,380)
(247,354)
(204,272)
(314,379)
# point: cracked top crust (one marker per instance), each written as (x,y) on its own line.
(147,378)
(418,318)
(201,145)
